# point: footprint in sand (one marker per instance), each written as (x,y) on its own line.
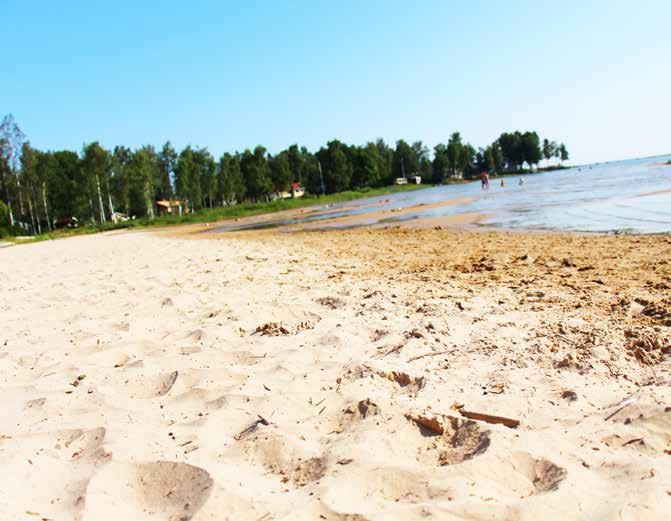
(143,384)
(161,490)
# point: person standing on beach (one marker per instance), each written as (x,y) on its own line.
(484,178)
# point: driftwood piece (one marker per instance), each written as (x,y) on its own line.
(489,418)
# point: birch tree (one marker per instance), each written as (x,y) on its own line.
(96,166)
(11,141)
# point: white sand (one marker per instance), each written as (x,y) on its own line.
(129,368)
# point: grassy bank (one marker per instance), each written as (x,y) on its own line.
(222,213)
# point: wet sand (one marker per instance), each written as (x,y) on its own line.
(369,217)
(340,375)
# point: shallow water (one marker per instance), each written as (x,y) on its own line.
(632,196)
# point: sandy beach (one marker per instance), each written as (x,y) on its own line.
(386,374)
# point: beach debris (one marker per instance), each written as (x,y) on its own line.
(361,410)
(167,302)
(372,294)
(622,405)
(413,383)
(272,329)
(415,333)
(547,475)
(433,423)
(251,428)
(436,353)
(331,302)
(570,396)
(488,418)
(77,380)
(455,439)
(395,349)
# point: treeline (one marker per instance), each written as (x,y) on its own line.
(38,188)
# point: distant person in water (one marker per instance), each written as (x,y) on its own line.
(484,178)
(521,181)
(501,182)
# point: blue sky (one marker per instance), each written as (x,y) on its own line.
(229,76)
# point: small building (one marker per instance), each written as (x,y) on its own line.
(417,179)
(171,207)
(401,181)
(296,192)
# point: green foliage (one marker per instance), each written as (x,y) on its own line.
(365,166)
(256,173)
(231,187)
(518,148)
(4,216)
(441,164)
(143,170)
(280,172)
(405,162)
(531,151)
(168,162)
(549,149)
(336,167)
(6,228)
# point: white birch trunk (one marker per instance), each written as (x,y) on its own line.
(150,207)
(18,186)
(44,202)
(32,216)
(100,201)
(37,214)
(109,200)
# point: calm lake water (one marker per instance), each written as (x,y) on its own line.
(632,196)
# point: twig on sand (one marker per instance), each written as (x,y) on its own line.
(622,405)
(489,418)
(395,349)
(428,354)
(251,428)
(565,339)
